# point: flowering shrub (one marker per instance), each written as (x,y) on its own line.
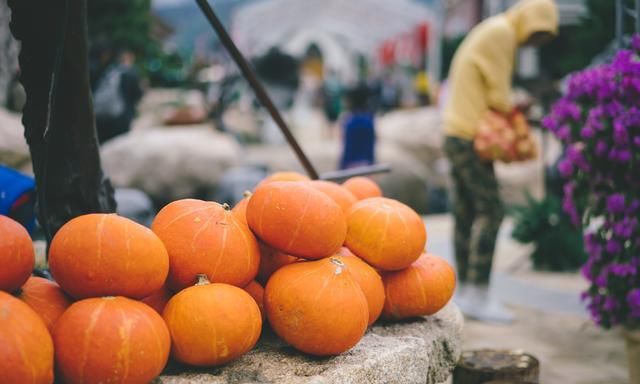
(598,121)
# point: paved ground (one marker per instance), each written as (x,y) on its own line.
(551,322)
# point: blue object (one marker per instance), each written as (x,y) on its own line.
(17,197)
(359,141)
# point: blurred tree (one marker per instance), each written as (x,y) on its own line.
(577,45)
(124,23)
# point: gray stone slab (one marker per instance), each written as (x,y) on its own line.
(422,350)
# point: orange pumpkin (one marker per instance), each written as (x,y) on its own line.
(422,289)
(204,237)
(212,324)
(270,261)
(159,299)
(385,233)
(317,306)
(26,348)
(369,281)
(297,219)
(257,292)
(283,176)
(46,298)
(342,196)
(110,340)
(240,210)
(106,254)
(17,257)
(362,187)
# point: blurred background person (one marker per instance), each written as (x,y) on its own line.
(479,81)
(358,134)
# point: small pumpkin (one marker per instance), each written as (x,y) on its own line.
(240,209)
(26,348)
(419,290)
(105,254)
(270,261)
(385,233)
(369,281)
(257,292)
(159,299)
(341,195)
(46,298)
(317,306)
(296,219)
(284,176)
(206,237)
(17,257)
(212,324)
(110,340)
(362,187)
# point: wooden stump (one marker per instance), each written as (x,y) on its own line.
(486,366)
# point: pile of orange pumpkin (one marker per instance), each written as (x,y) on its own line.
(332,259)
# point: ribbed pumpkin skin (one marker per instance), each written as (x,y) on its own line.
(257,292)
(420,290)
(362,187)
(159,299)
(110,340)
(283,176)
(107,255)
(296,219)
(317,307)
(26,348)
(46,298)
(240,209)
(17,257)
(342,196)
(385,233)
(270,261)
(203,237)
(369,281)
(212,324)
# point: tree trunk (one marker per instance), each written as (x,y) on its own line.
(489,366)
(58,115)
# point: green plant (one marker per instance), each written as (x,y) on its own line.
(558,244)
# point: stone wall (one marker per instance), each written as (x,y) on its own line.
(8,53)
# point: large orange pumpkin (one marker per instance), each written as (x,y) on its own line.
(297,219)
(257,292)
(106,254)
(385,233)
(317,306)
(110,340)
(159,299)
(369,281)
(270,261)
(204,237)
(212,324)
(362,187)
(284,176)
(338,193)
(17,257)
(422,289)
(46,298)
(26,348)
(240,209)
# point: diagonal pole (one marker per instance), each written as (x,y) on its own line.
(251,77)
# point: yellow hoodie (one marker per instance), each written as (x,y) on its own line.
(480,75)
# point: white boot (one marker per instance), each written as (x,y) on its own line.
(480,304)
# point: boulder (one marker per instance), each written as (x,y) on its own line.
(170,164)
(423,350)
(14,151)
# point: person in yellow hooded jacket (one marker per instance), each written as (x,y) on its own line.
(479,81)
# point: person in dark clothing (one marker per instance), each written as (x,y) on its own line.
(358,130)
(116,93)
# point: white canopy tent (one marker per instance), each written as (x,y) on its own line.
(341,29)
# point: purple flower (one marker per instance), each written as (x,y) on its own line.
(623,270)
(565,167)
(613,246)
(615,203)
(633,300)
(601,148)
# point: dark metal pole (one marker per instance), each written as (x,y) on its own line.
(261,93)
(358,171)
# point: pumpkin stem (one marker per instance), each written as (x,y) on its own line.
(226,207)
(340,266)
(247,194)
(202,279)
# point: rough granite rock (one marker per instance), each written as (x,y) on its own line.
(423,350)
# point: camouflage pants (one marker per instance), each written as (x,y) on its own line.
(477,211)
